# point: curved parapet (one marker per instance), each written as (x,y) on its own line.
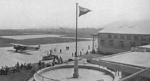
(38,76)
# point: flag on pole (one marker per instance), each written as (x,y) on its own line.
(83,11)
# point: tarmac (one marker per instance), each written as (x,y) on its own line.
(8,56)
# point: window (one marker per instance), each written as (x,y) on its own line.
(111,43)
(143,39)
(144,44)
(132,44)
(115,36)
(135,37)
(121,36)
(121,43)
(102,42)
(128,37)
(109,36)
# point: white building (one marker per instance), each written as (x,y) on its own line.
(121,39)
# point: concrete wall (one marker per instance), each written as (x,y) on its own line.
(38,77)
(121,67)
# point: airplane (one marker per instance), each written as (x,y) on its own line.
(22,48)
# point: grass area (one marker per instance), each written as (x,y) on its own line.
(47,40)
(69,32)
(5,42)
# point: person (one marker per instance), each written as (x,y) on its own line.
(6,69)
(58,59)
(39,65)
(29,66)
(53,63)
(2,70)
(21,66)
(25,65)
(85,61)
(47,53)
(55,49)
(80,53)
(75,54)
(60,51)
(53,60)
(61,60)
(17,66)
(89,47)
(86,52)
(72,54)
(50,52)
(67,47)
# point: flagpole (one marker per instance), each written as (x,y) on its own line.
(76,27)
(75,74)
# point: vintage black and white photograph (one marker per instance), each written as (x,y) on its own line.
(74,40)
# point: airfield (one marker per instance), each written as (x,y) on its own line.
(9,57)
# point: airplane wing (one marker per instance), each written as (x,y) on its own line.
(17,44)
(28,47)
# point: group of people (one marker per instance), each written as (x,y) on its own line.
(7,70)
(56,60)
(54,50)
(80,54)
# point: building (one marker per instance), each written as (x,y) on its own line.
(121,39)
(132,66)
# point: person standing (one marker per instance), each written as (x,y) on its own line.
(61,60)
(60,51)
(39,65)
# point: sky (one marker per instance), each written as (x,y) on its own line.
(18,14)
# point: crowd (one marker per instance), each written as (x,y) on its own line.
(7,70)
(57,60)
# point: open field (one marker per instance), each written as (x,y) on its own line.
(6,42)
(68,32)
(6,38)
(9,58)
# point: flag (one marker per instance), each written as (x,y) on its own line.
(83,11)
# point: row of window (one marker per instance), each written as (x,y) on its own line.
(128,37)
(121,43)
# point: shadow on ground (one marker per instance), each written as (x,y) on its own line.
(25,53)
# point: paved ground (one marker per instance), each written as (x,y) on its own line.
(9,57)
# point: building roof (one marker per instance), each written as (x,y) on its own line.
(140,59)
(126,30)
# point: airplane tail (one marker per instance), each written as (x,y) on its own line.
(38,47)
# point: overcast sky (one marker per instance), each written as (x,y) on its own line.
(61,13)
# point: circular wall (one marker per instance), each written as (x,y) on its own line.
(65,73)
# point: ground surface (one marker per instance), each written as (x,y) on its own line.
(140,59)
(9,57)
